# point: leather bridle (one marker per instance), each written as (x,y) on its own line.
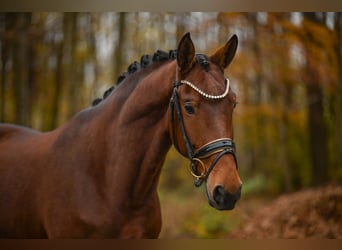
(220,146)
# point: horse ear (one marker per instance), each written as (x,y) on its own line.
(224,55)
(185,53)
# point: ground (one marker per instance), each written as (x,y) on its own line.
(310,213)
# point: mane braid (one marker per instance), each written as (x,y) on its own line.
(145,61)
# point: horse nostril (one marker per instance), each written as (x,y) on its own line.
(219,195)
(223,199)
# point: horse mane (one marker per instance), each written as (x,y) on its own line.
(145,61)
(134,67)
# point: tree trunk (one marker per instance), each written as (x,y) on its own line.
(316,122)
(59,84)
(70,32)
(4,58)
(21,70)
(338,103)
(118,56)
(317,130)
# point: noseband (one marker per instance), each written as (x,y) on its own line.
(219,146)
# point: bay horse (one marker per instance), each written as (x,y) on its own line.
(97,175)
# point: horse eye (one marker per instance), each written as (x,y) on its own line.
(234,104)
(189,108)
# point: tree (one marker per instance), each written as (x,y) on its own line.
(22,75)
(4,60)
(119,49)
(315,96)
(59,84)
(338,103)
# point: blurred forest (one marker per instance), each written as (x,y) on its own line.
(287,74)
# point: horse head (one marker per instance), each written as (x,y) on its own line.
(200,124)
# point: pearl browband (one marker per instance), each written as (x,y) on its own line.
(202,93)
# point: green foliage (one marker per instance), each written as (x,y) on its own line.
(205,222)
(256,185)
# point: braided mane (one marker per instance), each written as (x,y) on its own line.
(145,61)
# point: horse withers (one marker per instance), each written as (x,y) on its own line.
(97,175)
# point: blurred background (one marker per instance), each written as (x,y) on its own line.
(287,75)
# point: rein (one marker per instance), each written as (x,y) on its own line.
(219,146)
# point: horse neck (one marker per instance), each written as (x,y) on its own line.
(137,134)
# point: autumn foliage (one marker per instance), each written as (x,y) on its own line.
(287,74)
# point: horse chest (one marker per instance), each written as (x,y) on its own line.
(142,222)
(140,227)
